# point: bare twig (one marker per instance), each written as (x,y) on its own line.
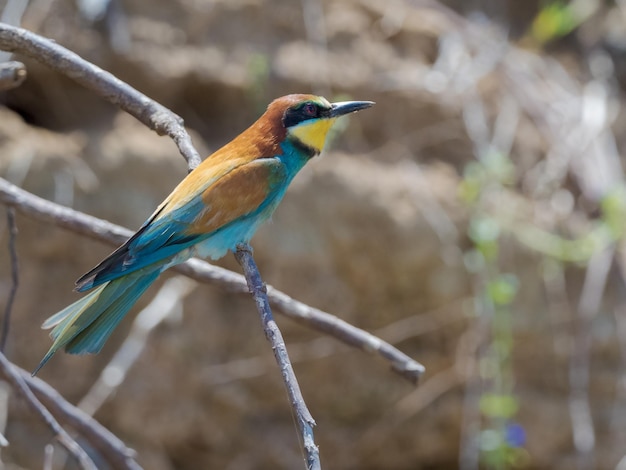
(579,402)
(48,455)
(49,212)
(5,392)
(6,319)
(10,372)
(152,114)
(100,438)
(11,14)
(259,292)
(12,75)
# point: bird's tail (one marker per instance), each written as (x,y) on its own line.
(84,326)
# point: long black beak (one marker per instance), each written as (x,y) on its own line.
(347,107)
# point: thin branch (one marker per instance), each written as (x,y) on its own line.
(45,211)
(6,319)
(152,114)
(12,75)
(100,438)
(48,456)
(583,432)
(5,395)
(12,374)
(259,292)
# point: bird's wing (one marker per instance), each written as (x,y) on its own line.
(190,215)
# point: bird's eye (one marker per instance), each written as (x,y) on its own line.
(309,109)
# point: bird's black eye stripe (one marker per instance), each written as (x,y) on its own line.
(302,112)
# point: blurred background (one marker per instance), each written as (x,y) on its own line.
(474,218)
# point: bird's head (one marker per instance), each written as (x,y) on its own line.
(308,118)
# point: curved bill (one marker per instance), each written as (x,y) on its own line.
(346,107)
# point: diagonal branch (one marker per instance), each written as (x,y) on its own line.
(46,211)
(12,75)
(12,375)
(154,115)
(15,279)
(304,420)
(100,438)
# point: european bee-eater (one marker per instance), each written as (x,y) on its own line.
(217,206)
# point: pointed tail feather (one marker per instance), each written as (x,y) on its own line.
(84,326)
(92,338)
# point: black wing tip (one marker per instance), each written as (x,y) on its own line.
(89,280)
(84,283)
(95,276)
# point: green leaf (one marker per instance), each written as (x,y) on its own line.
(553,21)
(498,406)
(484,229)
(502,290)
(613,206)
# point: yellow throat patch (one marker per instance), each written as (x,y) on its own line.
(313,133)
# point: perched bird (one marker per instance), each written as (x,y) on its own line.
(217,206)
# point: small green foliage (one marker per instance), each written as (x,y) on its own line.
(494,168)
(502,290)
(554,20)
(474,261)
(613,207)
(469,190)
(500,168)
(484,229)
(484,183)
(473,182)
(578,250)
(609,228)
(496,405)
(485,232)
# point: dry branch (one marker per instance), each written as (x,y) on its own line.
(12,75)
(12,375)
(100,438)
(6,318)
(149,112)
(46,211)
(304,420)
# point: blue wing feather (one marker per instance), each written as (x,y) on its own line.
(160,238)
(169,232)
